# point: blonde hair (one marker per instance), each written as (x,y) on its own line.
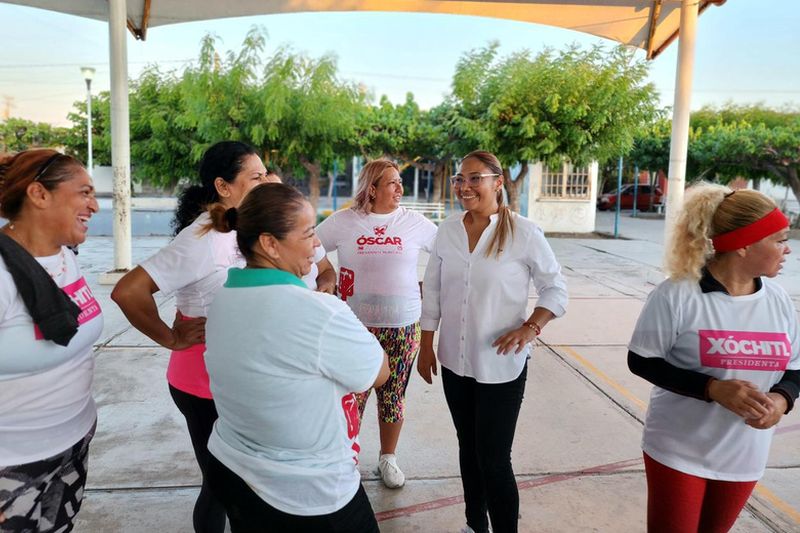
(709,210)
(505,218)
(369,176)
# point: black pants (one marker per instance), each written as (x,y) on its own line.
(200,414)
(248,513)
(485,416)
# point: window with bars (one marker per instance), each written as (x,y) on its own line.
(566,182)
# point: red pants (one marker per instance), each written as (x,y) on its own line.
(682,503)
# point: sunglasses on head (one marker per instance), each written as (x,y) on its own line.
(46,166)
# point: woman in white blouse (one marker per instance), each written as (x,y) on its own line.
(476,288)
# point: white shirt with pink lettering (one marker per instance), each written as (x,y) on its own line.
(753,338)
(46,402)
(378,257)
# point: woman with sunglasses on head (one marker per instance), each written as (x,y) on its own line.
(49,321)
(284,362)
(475,291)
(378,244)
(193,266)
(720,342)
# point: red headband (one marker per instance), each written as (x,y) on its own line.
(746,235)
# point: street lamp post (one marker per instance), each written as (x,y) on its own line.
(88,74)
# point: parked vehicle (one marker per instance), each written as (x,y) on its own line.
(647,197)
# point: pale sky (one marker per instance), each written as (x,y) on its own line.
(747,52)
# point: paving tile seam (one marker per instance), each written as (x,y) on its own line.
(579,370)
(159,488)
(626,258)
(763,513)
(765,501)
(588,345)
(605,284)
(439,503)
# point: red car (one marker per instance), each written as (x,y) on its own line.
(646,198)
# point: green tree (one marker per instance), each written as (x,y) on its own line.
(75,138)
(750,141)
(409,135)
(162,138)
(308,116)
(576,104)
(17,134)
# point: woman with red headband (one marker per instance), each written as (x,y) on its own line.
(720,342)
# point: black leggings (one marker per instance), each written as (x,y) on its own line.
(248,513)
(200,414)
(485,416)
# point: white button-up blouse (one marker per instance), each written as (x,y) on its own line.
(474,299)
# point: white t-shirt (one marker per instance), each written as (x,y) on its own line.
(753,338)
(46,402)
(194,265)
(378,257)
(479,298)
(284,362)
(310,279)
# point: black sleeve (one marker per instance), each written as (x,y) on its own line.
(669,377)
(788,387)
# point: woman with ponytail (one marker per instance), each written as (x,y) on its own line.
(193,266)
(285,363)
(720,342)
(475,292)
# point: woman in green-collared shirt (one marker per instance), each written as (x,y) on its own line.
(284,363)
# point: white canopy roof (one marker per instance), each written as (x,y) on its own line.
(648,24)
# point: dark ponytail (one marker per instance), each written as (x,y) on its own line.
(223,160)
(223,219)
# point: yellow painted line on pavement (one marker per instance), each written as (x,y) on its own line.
(778,503)
(604,377)
(761,490)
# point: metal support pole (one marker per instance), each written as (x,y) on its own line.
(679,143)
(120,139)
(635,189)
(619,199)
(89,162)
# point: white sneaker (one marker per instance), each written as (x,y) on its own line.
(390,473)
(467,529)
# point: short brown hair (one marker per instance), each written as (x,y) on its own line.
(17,171)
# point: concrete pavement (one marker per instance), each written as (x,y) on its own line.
(576,454)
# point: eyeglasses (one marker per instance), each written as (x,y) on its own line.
(473,180)
(46,166)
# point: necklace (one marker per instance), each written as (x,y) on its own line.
(63,266)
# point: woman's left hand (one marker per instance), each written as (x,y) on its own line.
(515,339)
(776,410)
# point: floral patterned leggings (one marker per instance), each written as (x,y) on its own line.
(402,346)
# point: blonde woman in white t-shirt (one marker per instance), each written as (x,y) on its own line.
(475,292)
(720,342)
(378,244)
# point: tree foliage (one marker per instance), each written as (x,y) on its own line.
(576,104)
(752,141)
(17,134)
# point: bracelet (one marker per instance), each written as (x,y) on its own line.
(537,329)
